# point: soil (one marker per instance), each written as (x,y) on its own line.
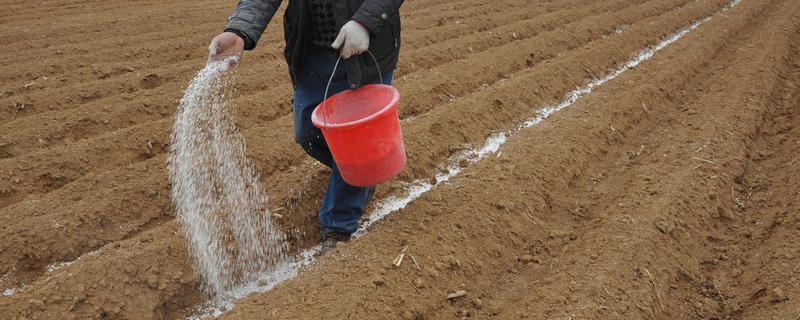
(669,192)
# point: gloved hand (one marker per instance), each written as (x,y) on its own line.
(226,45)
(353,39)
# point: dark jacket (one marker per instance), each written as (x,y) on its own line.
(380,17)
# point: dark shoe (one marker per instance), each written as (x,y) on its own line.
(331,239)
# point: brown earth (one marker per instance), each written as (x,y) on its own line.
(670,192)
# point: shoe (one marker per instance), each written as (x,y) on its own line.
(331,239)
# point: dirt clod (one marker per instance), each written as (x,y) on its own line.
(152,281)
(777,295)
(477,303)
(151,81)
(37,304)
(502,205)
(527,258)
(665,226)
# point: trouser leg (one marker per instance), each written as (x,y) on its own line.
(343,204)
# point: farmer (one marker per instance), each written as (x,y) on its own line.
(317,32)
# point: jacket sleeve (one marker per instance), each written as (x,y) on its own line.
(374,13)
(251,18)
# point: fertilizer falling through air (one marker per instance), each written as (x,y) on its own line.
(220,203)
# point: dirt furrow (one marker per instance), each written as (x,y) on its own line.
(481,21)
(422,8)
(108,204)
(609,269)
(215,8)
(21,35)
(60,166)
(135,74)
(175,51)
(669,192)
(646,249)
(759,277)
(555,35)
(27,12)
(616,49)
(51,128)
(302,208)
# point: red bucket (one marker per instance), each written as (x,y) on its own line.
(362,129)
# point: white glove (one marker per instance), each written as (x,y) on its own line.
(353,39)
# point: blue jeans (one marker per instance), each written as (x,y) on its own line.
(343,204)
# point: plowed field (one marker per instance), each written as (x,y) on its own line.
(568,159)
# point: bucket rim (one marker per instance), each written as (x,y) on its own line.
(316,118)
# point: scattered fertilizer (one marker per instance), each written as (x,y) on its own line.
(220,203)
(9,292)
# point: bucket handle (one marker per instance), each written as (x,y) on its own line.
(325,99)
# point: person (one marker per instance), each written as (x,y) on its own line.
(317,33)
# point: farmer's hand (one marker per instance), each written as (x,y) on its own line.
(225,45)
(353,39)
